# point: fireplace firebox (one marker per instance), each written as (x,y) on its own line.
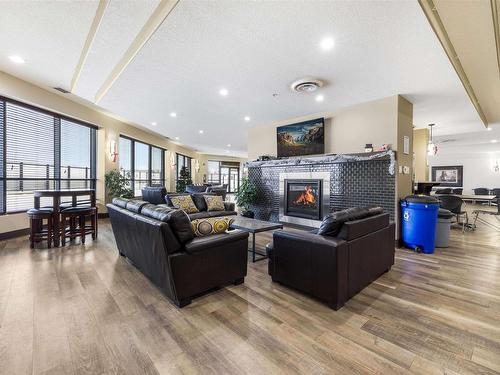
(303,198)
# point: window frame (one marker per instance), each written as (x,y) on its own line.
(57,119)
(150,154)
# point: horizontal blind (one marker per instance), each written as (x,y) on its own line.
(2,159)
(29,155)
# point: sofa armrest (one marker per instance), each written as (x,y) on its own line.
(229,206)
(199,244)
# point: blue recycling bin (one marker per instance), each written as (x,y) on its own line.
(418,222)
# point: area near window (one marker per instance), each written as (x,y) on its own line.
(141,163)
(183,161)
(225,173)
(42,150)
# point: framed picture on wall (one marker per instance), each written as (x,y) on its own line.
(452,176)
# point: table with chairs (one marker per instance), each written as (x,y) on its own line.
(63,220)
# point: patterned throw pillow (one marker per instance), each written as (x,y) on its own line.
(185,203)
(210,225)
(214,203)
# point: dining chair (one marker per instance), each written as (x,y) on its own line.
(456,205)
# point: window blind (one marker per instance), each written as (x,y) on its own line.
(39,151)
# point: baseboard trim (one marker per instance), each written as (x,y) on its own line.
(14,234)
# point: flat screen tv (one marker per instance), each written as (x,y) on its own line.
(303,138)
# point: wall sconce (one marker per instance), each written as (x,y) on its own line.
(196,165)
(113,150)
(496,167)
(172,160)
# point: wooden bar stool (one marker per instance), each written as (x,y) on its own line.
(37,232)
(73,223)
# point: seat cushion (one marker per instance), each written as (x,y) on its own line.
(211,225)
(205,214)
(40,211)
(214,203)
(82,210)
(185,203)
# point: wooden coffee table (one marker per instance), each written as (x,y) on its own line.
(254,226)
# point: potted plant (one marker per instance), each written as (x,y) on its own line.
(117,185)
(246,195)
(183,180)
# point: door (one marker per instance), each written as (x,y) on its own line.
(231,177)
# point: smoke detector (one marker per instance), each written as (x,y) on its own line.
(306,85)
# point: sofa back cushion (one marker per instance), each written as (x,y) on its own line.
(177,219)
(185,203)
(120,202)
(333,223)
(135,205)
(359,228)
(214,203)
(199,201)
(210,225)
(154,194)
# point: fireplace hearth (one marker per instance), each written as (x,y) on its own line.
(303,198)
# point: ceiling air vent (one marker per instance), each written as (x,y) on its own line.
(306,85)
(60,89)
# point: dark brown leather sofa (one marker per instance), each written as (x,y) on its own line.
(201,205)
(334,268)
(159,241)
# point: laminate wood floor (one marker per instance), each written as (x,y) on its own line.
(82,309)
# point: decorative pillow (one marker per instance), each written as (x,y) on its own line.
(210,225)
(185,203)
(214,203)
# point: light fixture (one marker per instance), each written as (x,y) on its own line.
(320,98)
(246,118)
(153,123)
(227,151)
(113,151)
(201,131)
(228,145)
(173,114)
(177,138)
(494,141)
(489,129)
(196,165)
(172,160)
(496,167)
(431,147)
(327,44)
(223,92)
(16,59)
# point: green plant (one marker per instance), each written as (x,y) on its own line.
(183,180)
(246,195)
(117,184)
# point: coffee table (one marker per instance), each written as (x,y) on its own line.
(254,226)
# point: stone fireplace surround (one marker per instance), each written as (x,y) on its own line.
(354,180)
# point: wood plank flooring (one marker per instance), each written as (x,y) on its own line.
(84,310)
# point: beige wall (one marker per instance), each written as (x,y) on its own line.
(346,131)
(421,139)
(110,129)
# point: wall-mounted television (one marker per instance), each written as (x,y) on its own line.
(303,138)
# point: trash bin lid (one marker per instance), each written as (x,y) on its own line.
(444,214)
(420,198)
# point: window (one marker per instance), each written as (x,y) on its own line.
(213,176)
(141,163)
(183,161)
(41,150)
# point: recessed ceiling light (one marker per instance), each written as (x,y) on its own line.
(246,118)
(223,92)
(16,59)
(320,98)
(494,141)
(327,44)
(227,151)
(228,145)
(177,138)
(153,123)
(201,131)
(173,114)
(489,129)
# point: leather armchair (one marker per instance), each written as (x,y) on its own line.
(333,269)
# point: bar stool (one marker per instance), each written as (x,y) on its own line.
(78,215)
(37,233)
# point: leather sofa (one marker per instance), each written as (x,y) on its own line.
(159,242)
(154,194)
(201,205)
(334,268)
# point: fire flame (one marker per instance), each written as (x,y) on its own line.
(306,197)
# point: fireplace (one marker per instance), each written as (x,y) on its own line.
(303,198)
